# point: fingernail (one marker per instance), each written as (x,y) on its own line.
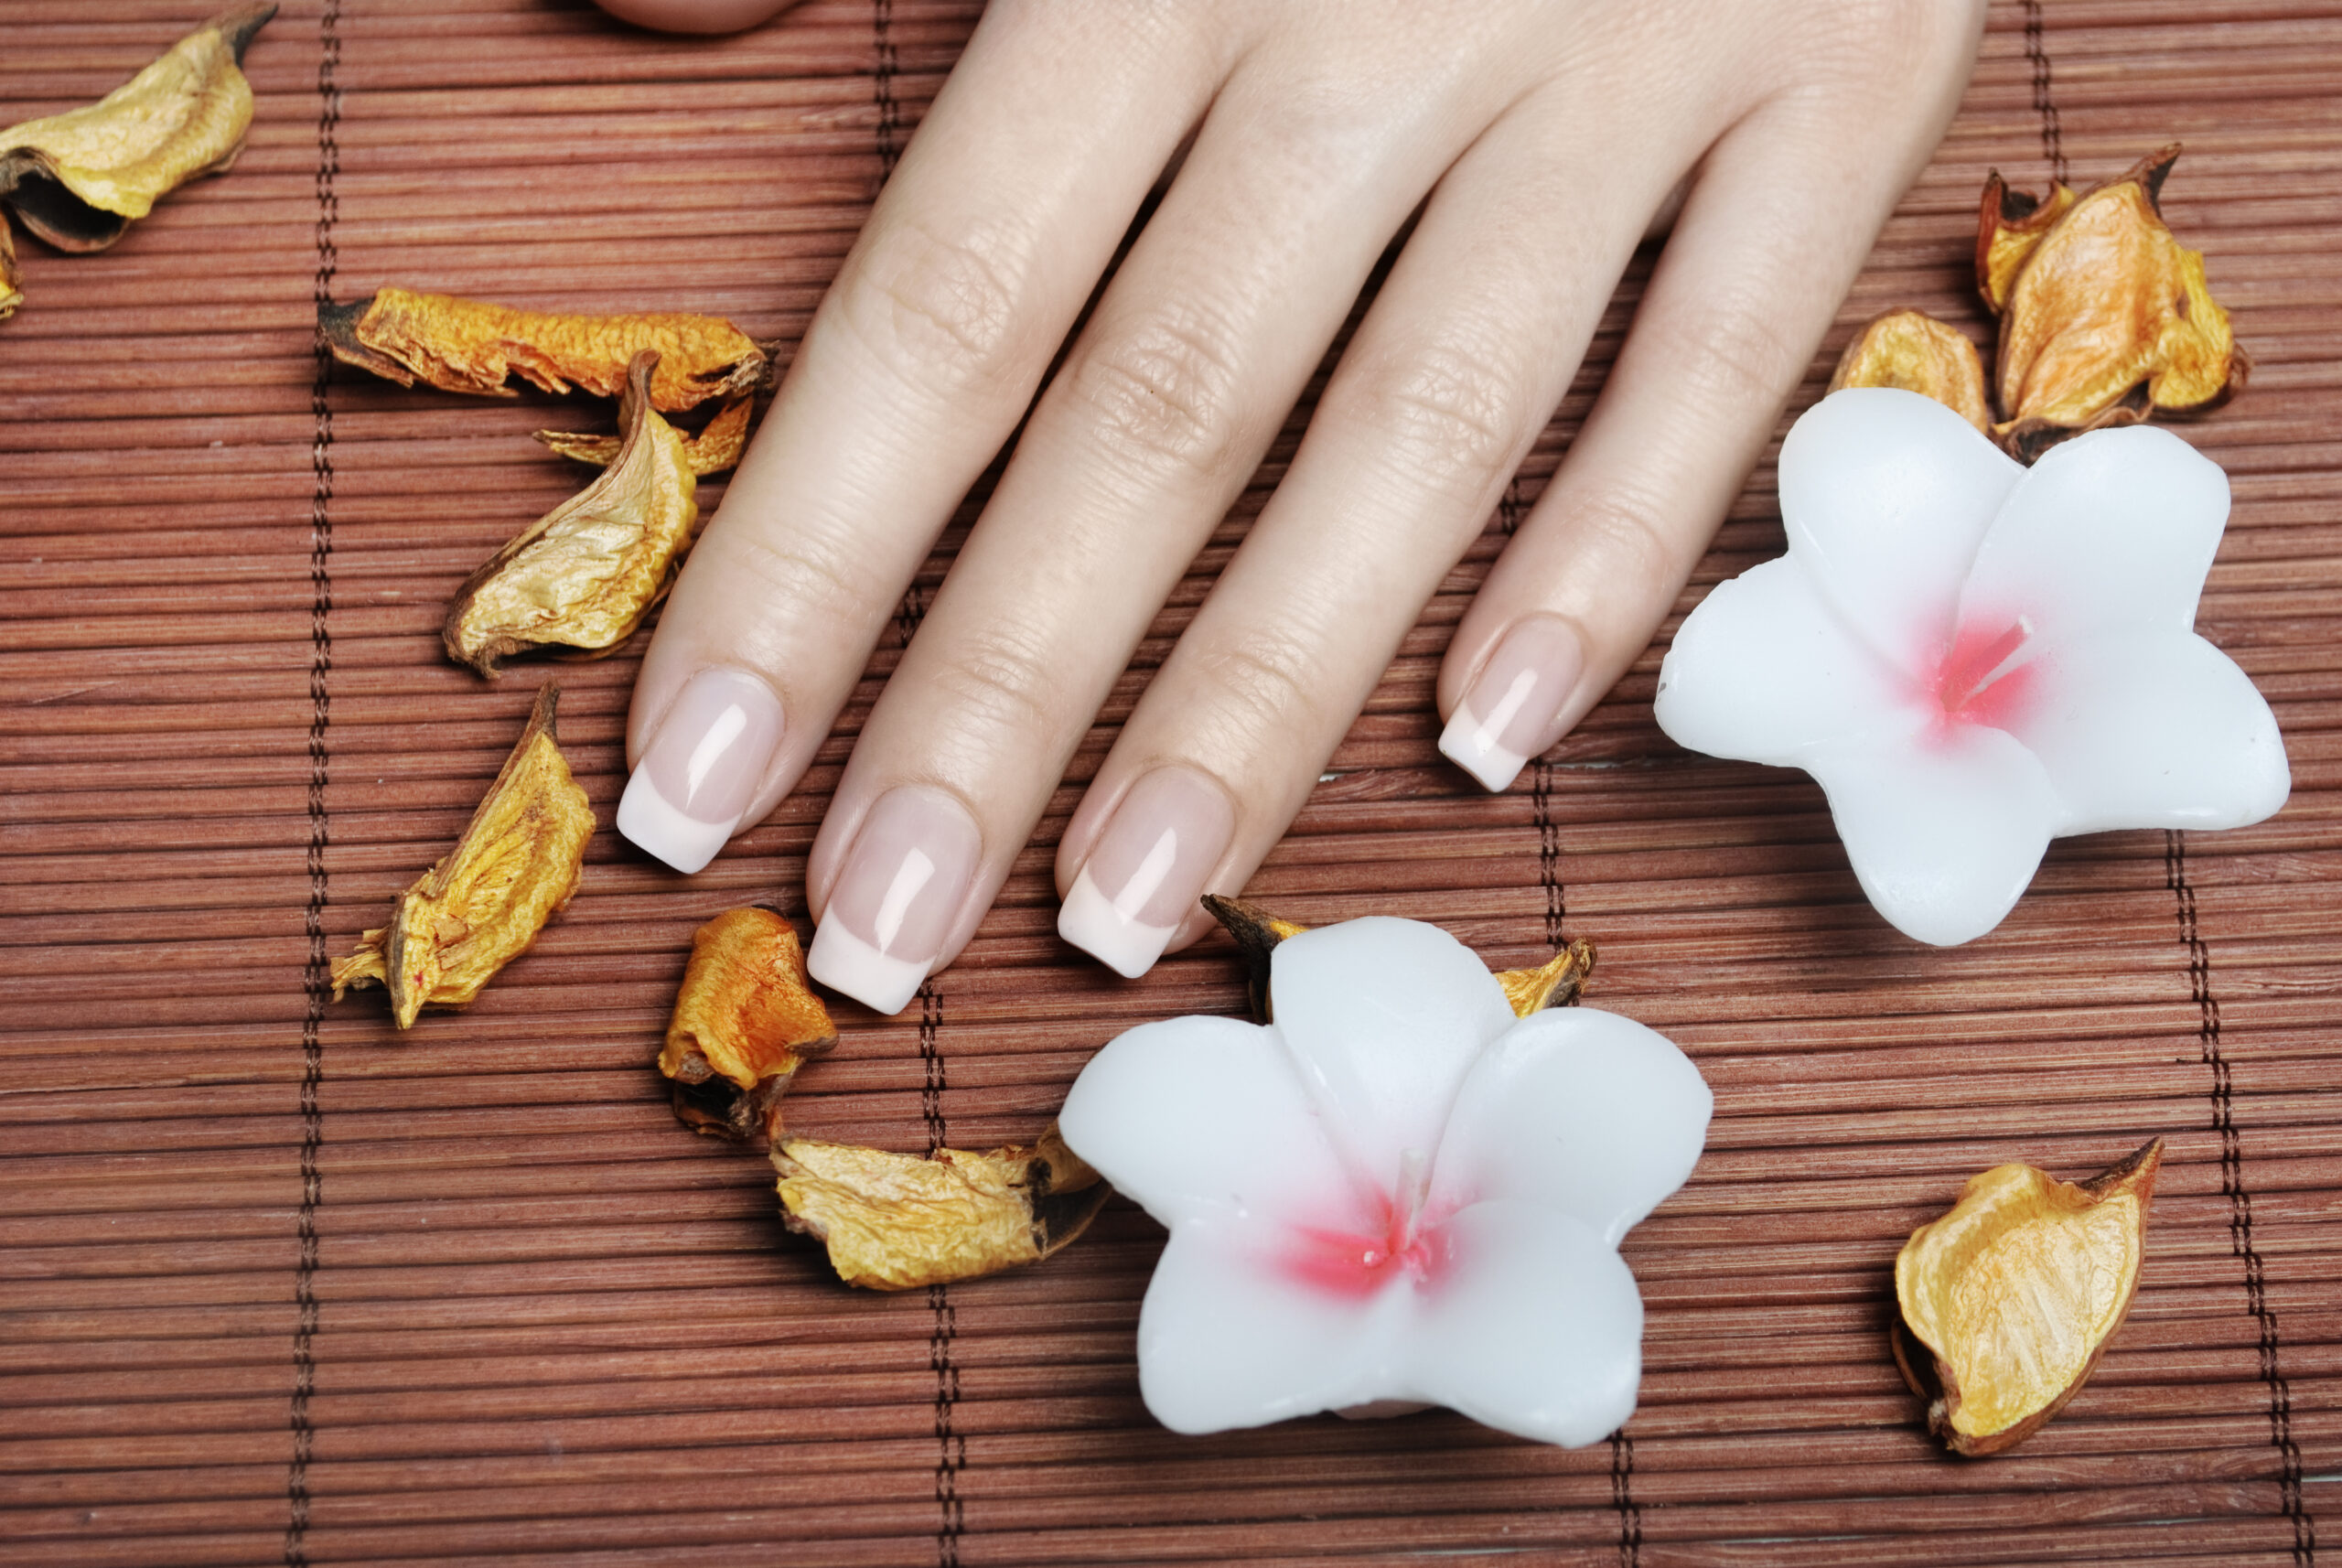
(1508,714)
(701,767)
(1148,869)
(895,901)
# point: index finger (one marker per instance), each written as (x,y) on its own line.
(916,367)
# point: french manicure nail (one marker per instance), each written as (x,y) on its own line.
(1508,714)
(702,767)
(1148,869)
(894,902)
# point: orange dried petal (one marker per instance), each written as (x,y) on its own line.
(1913,350)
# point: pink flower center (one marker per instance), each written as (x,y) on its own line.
(1982,681)
(1399,1240)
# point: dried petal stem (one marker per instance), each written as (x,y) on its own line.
(78,179)
(586,573)
(481,905)
(470,345)
(897,1221)
(2006,1303)
(716,447)
(745,1021)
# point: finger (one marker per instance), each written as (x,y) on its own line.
(1465,352)
(1182,377)
(1783,213)
(980,252)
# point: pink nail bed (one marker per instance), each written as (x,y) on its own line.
(1508,714)
(1148,869)
(702,767)
(895,903)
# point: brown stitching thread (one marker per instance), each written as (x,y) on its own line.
(317,973)
(2239,1200)
(1509,509)
(2053,144)
(1622,1497)
(882,84)
(951,1444)
(1549,853)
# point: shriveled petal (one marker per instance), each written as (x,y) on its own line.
(1945,831)
(2112,531)
(1383,1017)
(1224,1341)
(1534,1327)
(1886,495)
(1581,1110)
(1763,668)
(1199,1117)
(2153,729)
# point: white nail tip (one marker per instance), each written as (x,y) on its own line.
(1091,922)
(844,961)
(657,828)
(1468,743)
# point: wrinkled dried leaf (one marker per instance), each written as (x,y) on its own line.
(1556,983)
(586,573)
(2008,1300)
(745,1021)
(897,1221)
(2110,320)
(12,294)
(483,903)
(716,447)
(1913,350)
(2008,227)
(78,179)
(468,345)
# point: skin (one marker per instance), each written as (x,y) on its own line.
(1534,142)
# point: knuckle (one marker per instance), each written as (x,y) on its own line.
(1261,691)
(1001,681)
(942,305)
(1161,395)
(1733,356)
(1447,415)
(822,580)
(1627,531)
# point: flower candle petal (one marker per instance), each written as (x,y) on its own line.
(1198,1117)
(1383,1019)
(1225,1340)
(2155,729)
(1534,1329)
(1811,684)
(1582,1112)
(1945,836)
(2114,533)
(1886,495)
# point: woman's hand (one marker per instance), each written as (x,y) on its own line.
(1538,138)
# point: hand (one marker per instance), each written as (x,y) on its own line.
(1538,138)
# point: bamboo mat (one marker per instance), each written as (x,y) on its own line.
(277,1285)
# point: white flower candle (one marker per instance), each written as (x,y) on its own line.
(1973,657)
(1396,1192)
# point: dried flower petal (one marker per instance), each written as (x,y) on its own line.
(468,346)
(897,1221)
(483,903)
(2010,224)
(1913,350)
(2008,1300)
(12,294)
(745,1021)
(716,447)
(1557,983)
(2110,320)
(586,573)
(78,179)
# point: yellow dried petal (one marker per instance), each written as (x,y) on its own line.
(1554,983)
(2010,224)
(586,573)
(469,346)
(897,1221)
(716,447)
(12,294)
(1913,350)
(78,179)
(484,902)
(2110,320)
(2008,1300)
(745,1021)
